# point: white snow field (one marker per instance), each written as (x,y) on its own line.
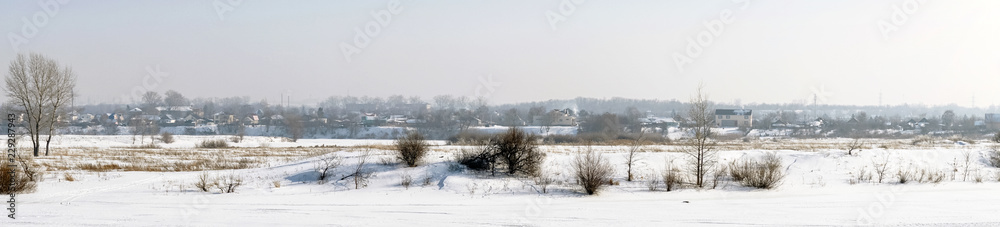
(820,190)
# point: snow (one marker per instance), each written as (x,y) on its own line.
(816,192)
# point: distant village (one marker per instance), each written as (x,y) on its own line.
(354,118)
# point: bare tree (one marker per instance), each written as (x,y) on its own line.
(326,164)
(360,176)
(855,144)
(150,100)
(38,86)
(294,126)
(632,156)
(881,166)
(700,148)
(175,98)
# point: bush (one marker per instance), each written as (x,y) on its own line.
(672,177)
(515,151)
(22,181)
(765,173)
(167,138)
(652,181)
(475,158)
(326,165)
(592,171)
(230,183)
(205,182)
(996,137)
(406,180)
(904,176)
(518,152)
(218,143)
(994,157)
(411,148)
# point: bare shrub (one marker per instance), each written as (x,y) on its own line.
(167,137)
(518,152)
(326,165)
(276,183)
(968,163)
(855,144)
(863,176)
(904,175)
(477,158)
(881,166)
(993,157)
(427,180)
(217,143)
(205,182)
(229,183)
(515,151)
(410,149)
(543,180)
(652,181)
(406,180)
(763,173)
(68,177)
(671,176)
(721,172)
(14,181)
(996,137)
(360,175)
(592,171)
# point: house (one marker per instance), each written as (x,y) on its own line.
(370,119)
(223,118)
(779,124)
(659,121)
(555,118)
(176,111)
(733,118)
(252,119)
(992,121)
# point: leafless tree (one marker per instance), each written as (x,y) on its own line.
(632,156)
(359,175)
(327,164)
(294,126)
(855,144)
(175,98)
(38,86)
(151,100)
(700,148)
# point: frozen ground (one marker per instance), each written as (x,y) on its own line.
(817,192)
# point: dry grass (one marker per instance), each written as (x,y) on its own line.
(170,160)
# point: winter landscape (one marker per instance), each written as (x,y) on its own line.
(501,113)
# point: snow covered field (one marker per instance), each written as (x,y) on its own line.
(820,190)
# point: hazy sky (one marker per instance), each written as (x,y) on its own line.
(846,52)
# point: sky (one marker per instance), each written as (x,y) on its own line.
(858,52)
